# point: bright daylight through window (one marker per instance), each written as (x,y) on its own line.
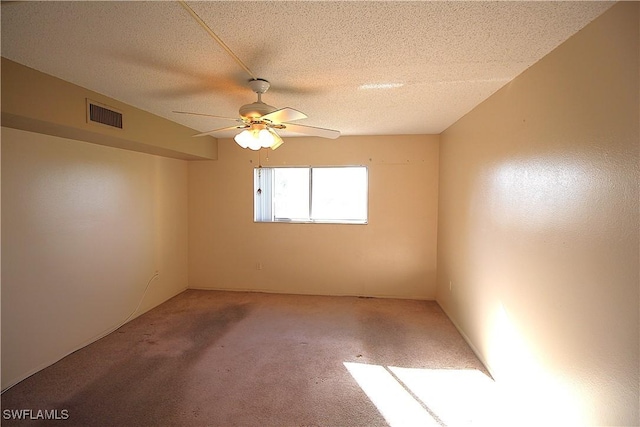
(311,194)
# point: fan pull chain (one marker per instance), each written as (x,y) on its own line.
(259,192)
(216,38)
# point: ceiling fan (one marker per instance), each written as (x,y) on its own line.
(259,121)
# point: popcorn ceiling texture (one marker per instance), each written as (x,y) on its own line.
(450,56)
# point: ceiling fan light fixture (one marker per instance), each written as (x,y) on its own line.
(266,138)
(257,137)
(254,144)
(244,138)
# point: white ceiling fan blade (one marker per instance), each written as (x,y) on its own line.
(313,131)
(219,130)
(209,115)
(284,115)
(277,140)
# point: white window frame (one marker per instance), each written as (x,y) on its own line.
(263,200)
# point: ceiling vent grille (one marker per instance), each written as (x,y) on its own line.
(97,113)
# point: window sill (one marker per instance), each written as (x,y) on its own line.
(324,221)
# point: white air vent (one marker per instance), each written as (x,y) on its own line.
(103,114)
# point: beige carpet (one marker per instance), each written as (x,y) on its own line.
(250,359)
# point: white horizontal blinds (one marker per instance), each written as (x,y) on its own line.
(339,194)
(263,194)
(291,194)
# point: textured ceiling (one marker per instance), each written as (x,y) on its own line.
(448,56)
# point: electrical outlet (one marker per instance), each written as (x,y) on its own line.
(450,285)
(258,265)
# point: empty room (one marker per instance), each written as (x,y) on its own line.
(291,213)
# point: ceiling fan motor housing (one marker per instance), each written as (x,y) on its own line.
(255,110)
(259,108)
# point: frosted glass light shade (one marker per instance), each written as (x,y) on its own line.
(256,138)
(266,138)
(244,138)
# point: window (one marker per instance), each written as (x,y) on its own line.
(311,194)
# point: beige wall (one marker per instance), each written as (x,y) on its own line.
(392,256)
(538,230)
(84,229)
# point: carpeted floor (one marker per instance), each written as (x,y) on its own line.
(250,359)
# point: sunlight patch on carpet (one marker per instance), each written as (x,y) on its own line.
(428,397)
(394,402)
(457,396)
